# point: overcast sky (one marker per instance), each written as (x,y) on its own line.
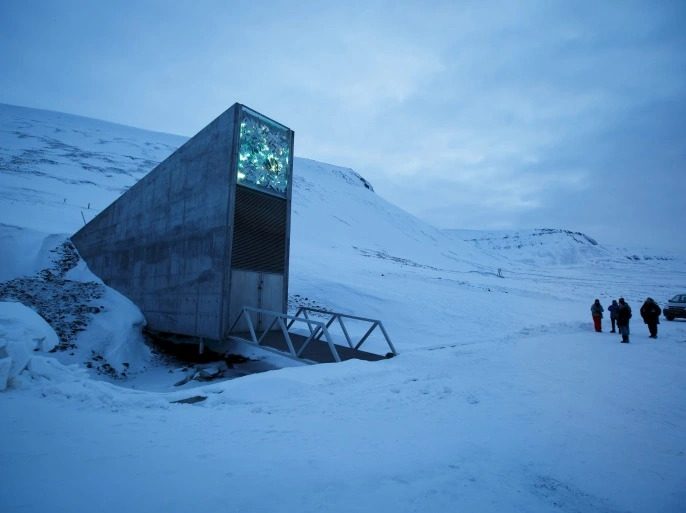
(468,114)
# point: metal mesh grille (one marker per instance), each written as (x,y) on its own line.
(259,232)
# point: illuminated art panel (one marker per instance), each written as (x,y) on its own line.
(264,153)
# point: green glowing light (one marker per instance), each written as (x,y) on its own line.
(264,154)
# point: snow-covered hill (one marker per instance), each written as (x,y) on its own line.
(556,247)
(502,398)
(58,169)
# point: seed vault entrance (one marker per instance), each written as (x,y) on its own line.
(201,243)
(262,290)
(205,233)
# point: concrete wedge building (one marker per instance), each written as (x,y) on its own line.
(206,232)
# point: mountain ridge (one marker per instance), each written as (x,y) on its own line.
(574,248)
(59,170)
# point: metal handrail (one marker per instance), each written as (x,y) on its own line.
(320,328)
(317,329)
(335,316)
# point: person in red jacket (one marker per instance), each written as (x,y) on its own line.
(597,313)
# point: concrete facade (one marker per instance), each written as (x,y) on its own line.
(167,242)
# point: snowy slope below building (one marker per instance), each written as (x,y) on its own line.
(92,324)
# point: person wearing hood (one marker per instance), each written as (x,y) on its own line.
(597,313)
(623,313)
(613,315)
(650,311)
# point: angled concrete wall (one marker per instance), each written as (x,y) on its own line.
(167,242)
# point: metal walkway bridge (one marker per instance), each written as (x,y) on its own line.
(313,341)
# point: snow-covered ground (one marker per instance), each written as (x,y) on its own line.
(503,397)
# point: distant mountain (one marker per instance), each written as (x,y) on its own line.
(554,247)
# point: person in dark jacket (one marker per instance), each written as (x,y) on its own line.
(597,313)
(650,311)
(613,315)
(623,313)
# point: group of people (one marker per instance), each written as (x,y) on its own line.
(620,313)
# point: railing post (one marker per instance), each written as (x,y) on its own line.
(388,339)
(345,332)
(310,338)
(332,346)
(328,325)
(284,330)
(369,331)
(292,321)
(250,326)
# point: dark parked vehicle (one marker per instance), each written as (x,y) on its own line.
(676,307)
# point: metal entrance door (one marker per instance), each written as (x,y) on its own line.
(258,290)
